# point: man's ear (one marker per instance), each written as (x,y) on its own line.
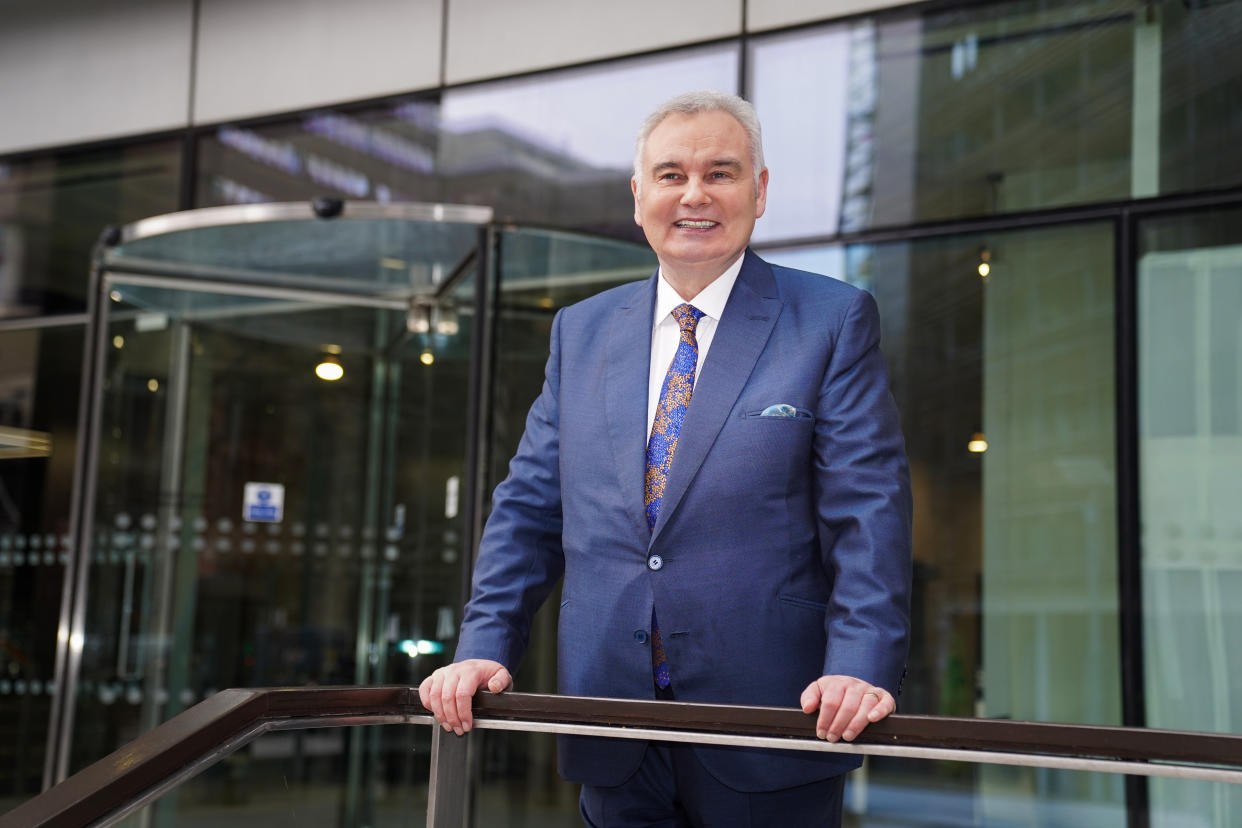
(761,193)
(638,217)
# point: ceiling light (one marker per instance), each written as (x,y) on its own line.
(978,443)
(329,368)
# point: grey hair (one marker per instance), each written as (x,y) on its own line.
(692,103)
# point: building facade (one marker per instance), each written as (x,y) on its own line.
(1045,198)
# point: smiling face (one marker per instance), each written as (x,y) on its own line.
(698,199)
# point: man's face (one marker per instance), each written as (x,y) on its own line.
(698,200)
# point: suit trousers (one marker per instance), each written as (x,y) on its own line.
(672,789)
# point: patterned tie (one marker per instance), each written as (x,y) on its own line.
(670,414)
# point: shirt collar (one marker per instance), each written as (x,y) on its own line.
(711,299)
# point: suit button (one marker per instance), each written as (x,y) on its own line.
(655,563)
(640,636)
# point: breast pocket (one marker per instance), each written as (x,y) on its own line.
(773,452)
(781,413)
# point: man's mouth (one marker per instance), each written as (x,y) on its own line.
(696,225)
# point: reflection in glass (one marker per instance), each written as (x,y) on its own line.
(1200,84)
(382,153)
(1190,439)
(938,114)
(1015,598)
(40,373)
(53,208)
(559,148)
(555,150)
(808,166)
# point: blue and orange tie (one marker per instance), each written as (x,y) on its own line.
(669,416)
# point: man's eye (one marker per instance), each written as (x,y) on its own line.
(719,174)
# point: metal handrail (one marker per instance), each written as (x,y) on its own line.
(175,751)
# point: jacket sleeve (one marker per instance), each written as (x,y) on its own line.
(520,555)
(862,490)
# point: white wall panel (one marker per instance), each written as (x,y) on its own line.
(277,55)
(487,38)
(770,14)
(80,70)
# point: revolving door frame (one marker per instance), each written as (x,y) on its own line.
(107,272)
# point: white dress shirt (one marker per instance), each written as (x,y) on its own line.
(666,333)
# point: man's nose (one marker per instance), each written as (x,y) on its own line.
(695,194)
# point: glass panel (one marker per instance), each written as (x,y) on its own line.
(553,149)
(52,209)
(258,523)
(307,778)
(1190,441)
(881,794)
(1200,84)
(558,148)
(40,373)
(382,153)
(517,781)
(1005,386)
(944,113)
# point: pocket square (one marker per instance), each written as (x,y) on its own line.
(780,410)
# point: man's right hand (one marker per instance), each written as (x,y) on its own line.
(448,692)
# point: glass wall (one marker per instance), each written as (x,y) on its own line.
(994,109)
(553,150)
(40,372)
(52,210)
(303,778)
(1200,84)
(1005,386)
(1190,443)
(1005,382)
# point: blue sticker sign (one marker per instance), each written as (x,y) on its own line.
(264,502)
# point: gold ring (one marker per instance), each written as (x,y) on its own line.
(878,697)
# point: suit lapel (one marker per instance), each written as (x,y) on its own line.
(625,392)
(747,322)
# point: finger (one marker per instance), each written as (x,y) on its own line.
(810,697)
(432,686)
(424,692)
(845,711)
(828,705)
(500,681)
(464,698)
(448,702)
(884,707)
(860,720)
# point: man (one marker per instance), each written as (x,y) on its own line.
(716,468)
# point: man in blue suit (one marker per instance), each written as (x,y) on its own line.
(715,467)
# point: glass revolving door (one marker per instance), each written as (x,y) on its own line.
(273,493)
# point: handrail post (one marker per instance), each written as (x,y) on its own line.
(448,788)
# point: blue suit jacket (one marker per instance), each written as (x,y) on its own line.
(785,540)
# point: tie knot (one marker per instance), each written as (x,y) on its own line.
(687,317)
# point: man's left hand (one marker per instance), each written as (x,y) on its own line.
(846,706)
